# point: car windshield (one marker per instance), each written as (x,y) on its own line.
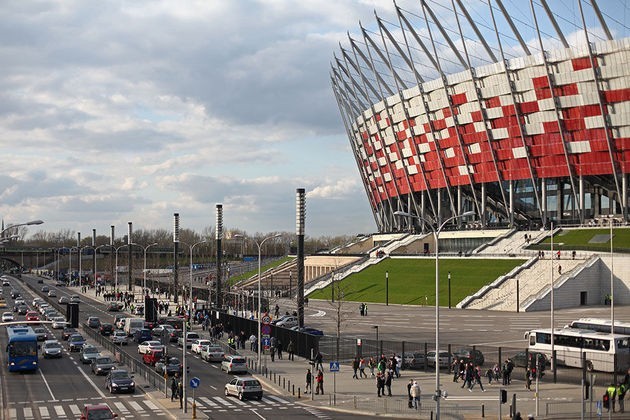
(99,414)
(22,348)
(90,350)
(173,361)
(251,383)
(52,345)
(76,338)
(103,360)
(120,375)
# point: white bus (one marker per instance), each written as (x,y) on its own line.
(601,325)
(569,343)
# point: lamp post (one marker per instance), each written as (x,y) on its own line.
(190,314)
(551,299)
(436,238)
(79,254)
(259,245)
(449,290)
(144,279)
(612,278)
(377,346)
(32,222)
(386,292)
(116,267)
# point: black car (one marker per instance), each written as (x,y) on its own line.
(102,365)
(470,355)
(106,329)
(113,307)
(93,322)
(118,380)
(14,294)
(67,332)
(169,368)
(524,359)
(143,334)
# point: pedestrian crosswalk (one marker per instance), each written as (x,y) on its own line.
(221,404)
(71,409)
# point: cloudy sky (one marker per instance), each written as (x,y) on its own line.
(117,111)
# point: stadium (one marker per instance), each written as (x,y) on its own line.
(516,111)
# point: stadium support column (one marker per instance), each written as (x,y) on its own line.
(543,193)
(581,203)
(511,203)
(624,195)
(94,255)
(175,255)
(130,268)
(111,256)
(219,236)
(300,213)
(482,216)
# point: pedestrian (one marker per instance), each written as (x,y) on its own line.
(621,394)
(476,379)
(372,365)
(272,352)
(320,382)
(611,391)
(252,342)
(279,349)
(380,384)
(415,393)
(361,309)
(309,379)
(291,349)
(365,309)
(528,379)
(489,375)
(559,269)
(455,368)
(409,385)
(388,382)
(362,373)
(318,361)
(180,392)
(355,367)
(517,416)
(174,387)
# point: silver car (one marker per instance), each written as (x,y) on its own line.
(234,364)
(212,353)
(120,337)
(51,349)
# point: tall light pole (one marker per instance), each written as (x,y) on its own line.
(79,254)
(612,278)
(552,304)
(116,266)
(144,280)
(32,222)
(259,245)
(190,314)
(436,239)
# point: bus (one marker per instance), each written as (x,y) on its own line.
(603,350)
(601,325)
(21,349)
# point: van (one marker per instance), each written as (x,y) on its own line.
(132,325)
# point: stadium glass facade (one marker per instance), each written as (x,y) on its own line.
(525,139)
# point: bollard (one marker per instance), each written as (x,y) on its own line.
(483,411)
(274,377)
(289,385)
(299,391)
(283,383)
(194,410)
(293,388)
(354,400)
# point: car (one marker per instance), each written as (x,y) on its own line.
(120,337)
(119,380)
(212,353)
(67,332)
(114,307)
(60,283)
(308,330)
(106,329)
(75,299)
(93,322)
(42,334)
(52,293)
(89,353)
(21,309)
(40,280)
(97,412)
(288,322)
(413,360)
(197,344)
(282,318)
(169,368)
(160,329)
(445,359)
(38,301)
(32,316)
(190,336)
(470,355)
(102,365)
(14,294)
(523,359)
(151,357)
(6,283)
(149,345)
(138,310)
(234,364)
(75,342)
(63,300)
(45,289)
(245,387)
(141,335)
(52,349)
(42,307)
(59,322)
(7,317)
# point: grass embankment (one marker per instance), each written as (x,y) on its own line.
(263,268)
(578,239)
(412,281)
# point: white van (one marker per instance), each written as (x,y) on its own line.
(132,325)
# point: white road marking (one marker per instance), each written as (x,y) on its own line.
(60,411)
(46,382)
(91,383)
(253,410)
(319,314)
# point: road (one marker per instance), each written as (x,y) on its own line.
(61,387)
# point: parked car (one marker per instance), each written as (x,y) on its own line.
(119,380)
(468,354)
(212,353)
(89,353)
(413,360)
(97,411)
(106,329)
(102,365)
(75,342)
(445,359)
(120,337)
(52,349)
(246,387)
(93,322)
(522,358)
(234,364)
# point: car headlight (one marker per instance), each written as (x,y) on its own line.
(115,385)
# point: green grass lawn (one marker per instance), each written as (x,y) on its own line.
(412,281)
(578,239)
(263,268)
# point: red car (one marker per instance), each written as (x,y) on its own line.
(32,316)
(97,412)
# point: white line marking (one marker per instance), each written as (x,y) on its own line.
(253,410)
(91,383)
(46,382)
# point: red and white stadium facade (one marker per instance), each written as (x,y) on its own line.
(525,140)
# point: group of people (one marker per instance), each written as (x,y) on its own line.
(319,382)
(468,373)
(617,393)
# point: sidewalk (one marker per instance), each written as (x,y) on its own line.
(358,396)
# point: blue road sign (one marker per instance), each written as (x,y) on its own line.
(266,341)
(194,382)
(334,366)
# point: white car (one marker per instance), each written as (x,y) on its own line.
(288,322)
(243,388)
(197,345)
(120,337)
(445,359)
(212,353)
(7,317)
(145,346)
(59,322)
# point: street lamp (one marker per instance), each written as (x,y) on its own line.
(116,266)
(32,222)
(190,314)
(144,280)
(449,290)
(436,238)
(377,346)
(259,245)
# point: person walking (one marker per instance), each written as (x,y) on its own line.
(291,349)
(409,385)
(279,349)
(528,379)
(318,361)
(272,351)
(621,394)
(362,373)
(612,393)
(174,387)
(380,384)
(388,383)
(309,379)
(355,368)
(372,365)
(320,382)
(415,393)
(180,392)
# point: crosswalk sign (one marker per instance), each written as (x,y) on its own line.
(334,366)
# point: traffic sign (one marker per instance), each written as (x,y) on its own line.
(266,342)
(266,319)
(334,366)
(194,382)
(265,329)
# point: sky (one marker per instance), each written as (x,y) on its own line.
(118,111)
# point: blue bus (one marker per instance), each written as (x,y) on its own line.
(21,349)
